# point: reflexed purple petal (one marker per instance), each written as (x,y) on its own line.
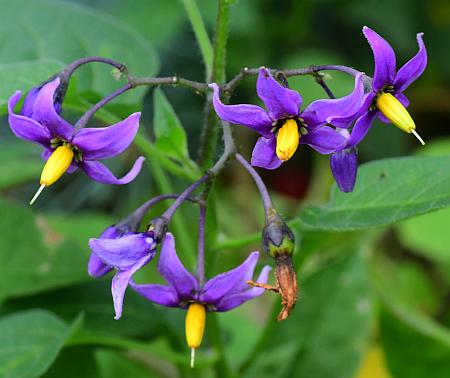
(385,65)
(344,166)
(173,271)
(247,115)
(28,103)
(229,282)
(280,101)
(24,127)
(229,302)
(120,283)
(98,172)
(123,252)
(337,112)
(160,294)
(264,153)
(44,111)
(96,267)
(361,128)
(324,140)
(413,68)
(106,142)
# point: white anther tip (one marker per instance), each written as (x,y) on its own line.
(418,137)
(39,191)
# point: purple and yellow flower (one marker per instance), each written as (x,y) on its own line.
(66,148)
(386,99)
(284,126)
(126,253)
(224,292)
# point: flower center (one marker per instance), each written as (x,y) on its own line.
(58,163)
(288,138)
(195,326)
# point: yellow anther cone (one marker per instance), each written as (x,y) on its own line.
(395,112)
(195,326)
(58,163)
(287,140)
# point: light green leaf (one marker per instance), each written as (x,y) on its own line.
(30,342)
(386,191)
(62,32)
(116,365)
(326,334)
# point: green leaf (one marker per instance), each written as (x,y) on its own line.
(410,354)
(62,32)
(117,365)
(386,191)
(326,334)
(68,364)
(19,163)
(34,257)
(31,340)
(24,75)
(169,133)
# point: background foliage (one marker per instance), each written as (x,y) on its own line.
(373,265)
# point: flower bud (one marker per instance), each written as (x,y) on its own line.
(278,238)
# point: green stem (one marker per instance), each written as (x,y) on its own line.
(200,32)
(210,132)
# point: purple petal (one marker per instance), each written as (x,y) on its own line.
(28,103)
(106,142)
(96,267)
(385,65)
(24,127)
(173,271)
(160,294)
(413,68)
(337,112)
(280,101)
(344,166)
(361,128)
(229,302)
(229,282)
(98,172)
(44,112)
(402,98)
(324,140)
(264,153)
(120,283)
(123,252)
(247,115)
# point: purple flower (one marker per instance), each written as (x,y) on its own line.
(386,99)
(126,253)
(283,126)
(66,148)
(221,293)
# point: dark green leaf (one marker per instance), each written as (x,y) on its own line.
(30,342)
(386,191)
(117,365)
(62,32)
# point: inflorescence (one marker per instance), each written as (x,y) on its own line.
(332,126)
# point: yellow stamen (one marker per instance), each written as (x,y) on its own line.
(195,326)
(58,163)
(395,112)
(287,140)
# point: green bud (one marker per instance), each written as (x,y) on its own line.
(278,238)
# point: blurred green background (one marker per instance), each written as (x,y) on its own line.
(373,303)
